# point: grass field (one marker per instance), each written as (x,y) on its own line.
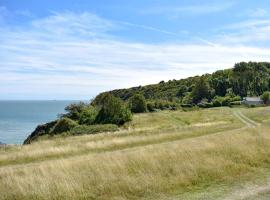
(219,153)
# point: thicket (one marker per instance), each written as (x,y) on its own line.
(137,104)
(221,88)
(266,97)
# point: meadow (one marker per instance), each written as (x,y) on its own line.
(217,153)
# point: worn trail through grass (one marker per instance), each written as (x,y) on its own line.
(204,154)
(247,121)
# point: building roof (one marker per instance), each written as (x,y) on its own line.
(252,99)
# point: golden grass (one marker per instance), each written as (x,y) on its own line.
(154,161)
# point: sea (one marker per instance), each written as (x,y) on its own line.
(19,118)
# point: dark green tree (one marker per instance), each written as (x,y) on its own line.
(113,111)
(88,115)
(74,110)
(200,90)
(137,104)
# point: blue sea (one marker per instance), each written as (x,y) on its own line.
(19,118)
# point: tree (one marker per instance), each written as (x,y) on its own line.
(200,90)
(266,97)
(182,90)
(113,111)
(74,110)
(137,104)
(88,115)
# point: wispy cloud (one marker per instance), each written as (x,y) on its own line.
(74,55)
(246,32)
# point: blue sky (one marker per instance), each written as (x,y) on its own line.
(74,49)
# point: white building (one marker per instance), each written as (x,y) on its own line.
(252,101)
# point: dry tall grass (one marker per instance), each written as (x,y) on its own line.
(151,160)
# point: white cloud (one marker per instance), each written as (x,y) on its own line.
(246,32)
(69,55)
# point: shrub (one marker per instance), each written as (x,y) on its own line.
(150,106)
(74,110)
(113,111)
(266,97)
(217,101)
(186,105)
(236,98)
(187,99)
(205,104)
(236,103)
(226,101)
(94,129)
(88,115)
(63,125)
(221,101)
(137,104)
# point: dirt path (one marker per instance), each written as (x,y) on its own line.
(247,121)
(249,192)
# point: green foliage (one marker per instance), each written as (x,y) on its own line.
(94,129)
(200,90)
(88,115)
(113,111)
(187,99)
(205,104)
(250,79)
(182,90)
(235,103)
(266,97)
(222,101)
(236,98)
(63,125)
(74,110)
(150,106)
(137,104)
(245,79)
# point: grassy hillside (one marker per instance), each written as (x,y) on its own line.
(218,153)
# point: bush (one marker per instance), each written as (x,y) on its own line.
(236,103)
(236,98)
(88,116)
(150,106)
(266,97)
(186,105)
(137,104)
(205,104)
(63,125)
(94,129)
(221,101)
(113,111)
(226,101)
(217,101)
(187,99)
(74,110)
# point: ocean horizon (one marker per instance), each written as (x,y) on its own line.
(19,118)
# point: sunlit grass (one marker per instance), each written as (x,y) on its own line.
(161,155)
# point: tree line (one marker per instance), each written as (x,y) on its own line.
(219,88)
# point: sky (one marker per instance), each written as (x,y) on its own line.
(75,49)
